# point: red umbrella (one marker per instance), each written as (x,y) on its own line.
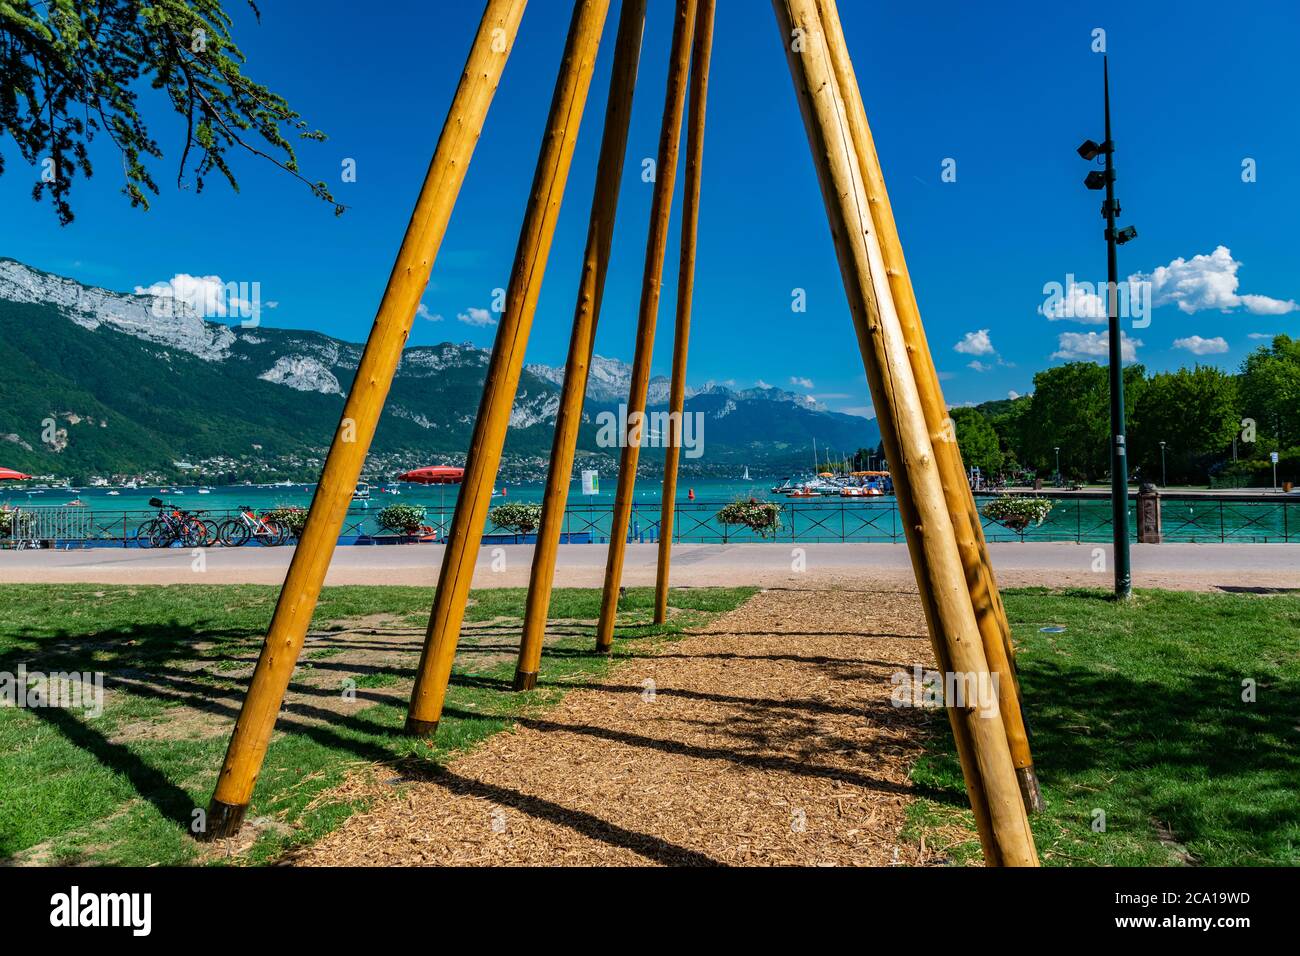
(435,475)
(8,474)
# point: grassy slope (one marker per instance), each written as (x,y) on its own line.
(1137,711)
(92,791)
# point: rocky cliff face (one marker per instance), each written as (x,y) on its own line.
(174,325)
(186,386)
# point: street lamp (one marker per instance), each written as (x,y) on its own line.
(1105,179)
(1164,482)
(1058,464)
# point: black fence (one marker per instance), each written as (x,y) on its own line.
(1077,518)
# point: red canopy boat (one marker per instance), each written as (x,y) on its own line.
(8,474)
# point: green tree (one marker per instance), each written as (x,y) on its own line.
(1007,416)
(1070,410)
(72,69)
(1269,388)
(1194,411)
(977,440)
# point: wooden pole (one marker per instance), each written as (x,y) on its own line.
(960,732)
(894,392)
(685,288)
(994,630)
(502,381)
(591,288)
(656,245)
(406,284)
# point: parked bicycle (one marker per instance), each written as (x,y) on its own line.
(174,525)
(248,525)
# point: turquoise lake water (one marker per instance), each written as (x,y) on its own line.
(587,517)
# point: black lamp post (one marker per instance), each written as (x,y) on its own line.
(1098,179)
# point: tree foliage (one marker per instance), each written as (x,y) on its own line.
(1194,411)
(1270,393)
(977,440)
(71,70)
(1197,412)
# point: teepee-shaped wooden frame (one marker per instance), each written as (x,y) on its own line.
(967,623)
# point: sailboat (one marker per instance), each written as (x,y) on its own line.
(745,476)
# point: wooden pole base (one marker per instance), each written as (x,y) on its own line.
(420,728)
(224,820)
(1029,789)
(525,680)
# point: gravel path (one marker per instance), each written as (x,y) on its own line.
(768,738)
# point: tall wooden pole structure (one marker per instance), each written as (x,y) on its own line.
(931,535)
(699,95)
(656,246)
(484,456)
(995,631)
(406,284)
(591,289)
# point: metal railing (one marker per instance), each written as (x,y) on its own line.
(1083,518)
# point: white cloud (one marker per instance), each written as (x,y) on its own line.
(1262,335)
(1199,346)
(761,384)
(859,411)
(1209,282)
(1077,346)
(801,381)
(1078,303)
(975,343)
(1263,305)
(422,311)
(1013,394)
(833,396)
(476,317)
(979,366)
(207,296)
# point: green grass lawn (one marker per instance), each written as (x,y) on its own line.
(1136,710)
(122,787)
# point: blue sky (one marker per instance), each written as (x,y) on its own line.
(1006,90)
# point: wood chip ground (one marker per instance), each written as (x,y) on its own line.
(767,738)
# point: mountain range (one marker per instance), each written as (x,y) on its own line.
(106,383)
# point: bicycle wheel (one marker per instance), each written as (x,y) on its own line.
(233,533)
(197,534)
(144,534)
(210,538)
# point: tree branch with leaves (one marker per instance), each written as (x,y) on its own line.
(71,70)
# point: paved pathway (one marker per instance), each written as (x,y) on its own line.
(1190,566)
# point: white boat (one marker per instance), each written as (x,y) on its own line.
(745,476)
(114,493)
(362,491)
(205,491)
